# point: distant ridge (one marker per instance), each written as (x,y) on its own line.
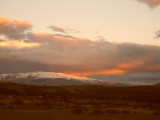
(55,79)
(158,84)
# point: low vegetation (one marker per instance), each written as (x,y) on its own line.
(82,100)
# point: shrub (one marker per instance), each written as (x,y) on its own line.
(78,110)
(114,111)
(2,104)
(126,111)
(156,113)
(44,105)
(97,112)
(18,101)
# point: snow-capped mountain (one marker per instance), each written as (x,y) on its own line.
(54,79)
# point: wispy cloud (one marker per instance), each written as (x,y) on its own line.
(157,34)
(57,29)
(151,3)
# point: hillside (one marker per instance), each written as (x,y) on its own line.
(55,79)
(157,84)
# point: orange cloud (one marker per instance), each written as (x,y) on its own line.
(120,69)
(7,22)
(105,72)
(41,34)
(152,68)
(131,65)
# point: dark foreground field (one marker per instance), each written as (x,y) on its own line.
(26,102)
(14,114)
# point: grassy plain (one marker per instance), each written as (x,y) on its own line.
(28,102)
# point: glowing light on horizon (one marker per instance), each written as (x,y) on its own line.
(18,44)
(105,72)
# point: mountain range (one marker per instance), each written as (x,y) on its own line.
(55,79)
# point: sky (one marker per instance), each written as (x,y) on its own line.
(102,39)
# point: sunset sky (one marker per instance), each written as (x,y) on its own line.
(118,39)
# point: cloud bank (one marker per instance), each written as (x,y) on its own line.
(70,55)
(151,3)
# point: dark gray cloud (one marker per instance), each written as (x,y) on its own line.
(13,29)
(57,29)
(142,78)
(151,3)
(64,31)
(72,30)
(11,64)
